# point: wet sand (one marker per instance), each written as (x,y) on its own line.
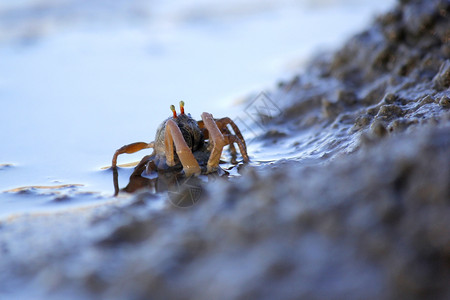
(360,207)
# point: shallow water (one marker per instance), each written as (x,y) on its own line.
(77,81)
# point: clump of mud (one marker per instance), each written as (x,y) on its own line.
(370,219)
(386,80)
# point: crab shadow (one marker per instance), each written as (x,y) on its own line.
(182,191)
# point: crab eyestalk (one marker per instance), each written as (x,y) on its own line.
(172,108)
(181,107)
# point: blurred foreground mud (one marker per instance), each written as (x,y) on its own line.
(371,221)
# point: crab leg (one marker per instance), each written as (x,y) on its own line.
(231,147)
(238,138)
(223,122)
(217,140)
(230,139)
(201,125)
(173,136)
(136,180)
(146,163)
(131,148)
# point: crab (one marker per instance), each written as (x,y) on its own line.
(184,143)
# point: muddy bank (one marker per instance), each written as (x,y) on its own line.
(386,80)
(369,217)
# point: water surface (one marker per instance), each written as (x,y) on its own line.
(78,80)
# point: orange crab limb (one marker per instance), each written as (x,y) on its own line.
(201,125)
(131,148)
(217,140)
(230,139)
(226,133)
(238,138)
(223,122)
(173,136)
